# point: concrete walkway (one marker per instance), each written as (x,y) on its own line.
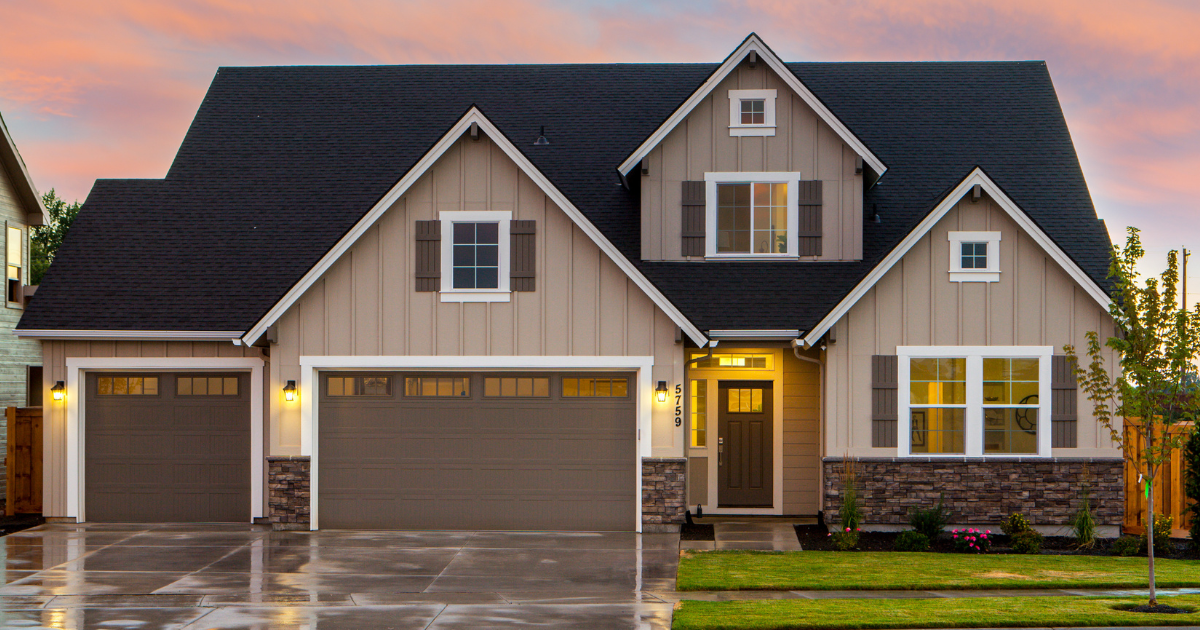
(750,535)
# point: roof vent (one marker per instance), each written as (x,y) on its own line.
(976,193)
(541,139)
(753,58)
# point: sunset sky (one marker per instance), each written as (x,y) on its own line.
(107,89)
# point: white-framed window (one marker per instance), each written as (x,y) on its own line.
(752,215)
(14,288)
(752,112)
(475,256)
(974,401)
(974,256)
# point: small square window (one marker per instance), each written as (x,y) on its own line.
(974,255)
(476,255)
(754,111)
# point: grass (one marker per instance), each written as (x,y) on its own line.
(991,612)
(890,570)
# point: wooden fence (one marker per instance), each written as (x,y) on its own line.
(1169,497)
(24,460)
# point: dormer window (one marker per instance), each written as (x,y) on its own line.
(752,112)
(752,215)
(974,256)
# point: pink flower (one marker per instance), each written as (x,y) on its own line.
(985,536)
(954,531)
(956,536)
(847,529)
(830,534)
(972,545)
(989,531)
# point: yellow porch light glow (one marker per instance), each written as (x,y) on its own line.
(289,391)
(59,391)
(661,391)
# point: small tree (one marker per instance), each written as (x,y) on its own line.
(45,239)
(1157,345)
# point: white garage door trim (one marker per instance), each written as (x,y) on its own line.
(77,415)
(309,421)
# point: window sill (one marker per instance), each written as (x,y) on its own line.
(753,257)
(974,276)
(476,296)
(755,130)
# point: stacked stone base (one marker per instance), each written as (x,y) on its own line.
(288,492)
(980,491)
(664,501)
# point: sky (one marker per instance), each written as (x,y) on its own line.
(107,89)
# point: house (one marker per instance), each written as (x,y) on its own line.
(584,297)
(20,208)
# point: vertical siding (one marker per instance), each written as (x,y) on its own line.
(801,435)
(1034,303)
(701,143)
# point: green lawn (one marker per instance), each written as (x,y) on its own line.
(991,612)
(889,570)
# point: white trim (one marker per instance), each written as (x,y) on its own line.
(765,335)
(77,367)
(792,179)
(737,127)
(991,273)
(973,434)
(419,169)
(1014,211)
(144,335)
(501,293)
(766,55)
(311,365)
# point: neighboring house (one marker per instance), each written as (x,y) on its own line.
(486,296)
(20,359)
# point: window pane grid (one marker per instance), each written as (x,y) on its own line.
(127,386)
(745,400)
(476,256)
(359,386)
(974,255)
(516,387)
(595,387)
(754,111)
(699,402)
(206,386)
(729,361)
(752,218)
(1010,398)
(437,386)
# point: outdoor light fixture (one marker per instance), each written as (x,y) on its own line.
(59,391)
(661,391)
(289,391)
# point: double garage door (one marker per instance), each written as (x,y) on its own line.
(477,451)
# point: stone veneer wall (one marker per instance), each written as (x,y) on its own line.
(980,491)
(288,492)
(664,498)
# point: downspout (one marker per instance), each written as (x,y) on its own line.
(711,344)
(798,345)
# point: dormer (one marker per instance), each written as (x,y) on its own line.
(752,166)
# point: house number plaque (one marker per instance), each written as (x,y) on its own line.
(678,404)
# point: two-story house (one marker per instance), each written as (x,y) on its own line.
(583,297)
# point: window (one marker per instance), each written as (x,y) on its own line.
(358,386)
(732,361)
(745,400)
(206,386)
(437,386)
(752,112)
(975,401)
(127,385)
(516,387)
(974,256)
(15,256)
(475,256)
(753,215)
(699,402)
(595,387)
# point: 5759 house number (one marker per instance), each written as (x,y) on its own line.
(678,404)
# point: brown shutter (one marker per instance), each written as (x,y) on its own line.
(809,229)
(522,255)
(1063,415)
(429,255)
(885,399)
(693,218)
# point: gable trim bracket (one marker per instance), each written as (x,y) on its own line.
(476,117)
(977,178)
(752,45)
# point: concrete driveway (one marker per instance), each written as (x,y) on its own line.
(241,576)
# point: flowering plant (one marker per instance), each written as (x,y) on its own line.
(845,539)
(972,540)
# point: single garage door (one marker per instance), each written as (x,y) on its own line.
(167,448)
(477,451)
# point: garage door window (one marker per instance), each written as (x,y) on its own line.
(516,387)
(127,386)
(595,387)
(206,386)
(437,386)
(359,386)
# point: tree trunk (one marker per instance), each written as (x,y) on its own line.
(1150,507)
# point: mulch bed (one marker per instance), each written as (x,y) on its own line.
(16,523)
(1160,609)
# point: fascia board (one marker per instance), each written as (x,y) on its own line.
(173,335)
(977,176)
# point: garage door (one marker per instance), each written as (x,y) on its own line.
(477,451)
(167,448)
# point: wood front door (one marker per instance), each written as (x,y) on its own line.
(744,450)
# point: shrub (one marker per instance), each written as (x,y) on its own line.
(845,540)
(972,540)
(851,513)
(912,541)
(1191,482)
(1029,542)
(930,522)
(1015,524)
(1083,524)
(1129,545)
(1162,534)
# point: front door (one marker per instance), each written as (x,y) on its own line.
(744,458)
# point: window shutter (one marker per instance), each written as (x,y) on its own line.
(809,229)
(885,399)
(429,255)
(1063,415)
(522,255)
(693,218)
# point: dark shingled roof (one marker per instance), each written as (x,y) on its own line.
(280,162)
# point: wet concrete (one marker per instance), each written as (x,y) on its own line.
(201,577)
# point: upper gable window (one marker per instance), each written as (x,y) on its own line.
(476,254)
(974,256)
(752,215)
(752,112)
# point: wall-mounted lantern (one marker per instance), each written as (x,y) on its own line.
(289,391)
(59,391)
(661,391)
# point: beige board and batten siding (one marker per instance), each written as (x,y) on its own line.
(701,144)
(56,353)
(1035,303)
(366,303)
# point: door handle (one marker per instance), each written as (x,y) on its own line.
(720,450)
